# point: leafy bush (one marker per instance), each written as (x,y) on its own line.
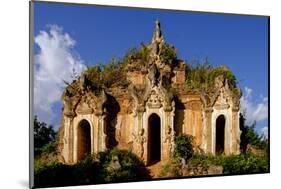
(132,168)
(88,171)
(53,174)
(49,148)
(233,164)
(91,170)
(184,146)
(203,160)
(244,163)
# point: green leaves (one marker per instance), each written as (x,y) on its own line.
(91,170)
(244,163)
(105,76)
(43,135)
(167,53)
(249,137)
(202,76)
(184,148)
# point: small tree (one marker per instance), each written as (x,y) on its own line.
(43,134)
(184,146)
(250,136)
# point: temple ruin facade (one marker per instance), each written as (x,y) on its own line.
(147,115)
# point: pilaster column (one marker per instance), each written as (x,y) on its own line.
(71,140)
(68,139)
(169,133)
(235,131)
(101,131)
(208,129)
(140,136)
(140,111)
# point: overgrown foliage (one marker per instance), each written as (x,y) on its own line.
(114,72)
(92,170)
(167,53)
(138,57)
(184,146)
(132,168)
(43,135)
(202,76)
(171,169)
(245,163)
(233,164)
(250,137)
(106,75)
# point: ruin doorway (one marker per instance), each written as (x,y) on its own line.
(220,127)
(154,139)
(83,139)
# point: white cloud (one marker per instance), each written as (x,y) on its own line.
(248,92)
(254,111)
(264,132)
(54,63)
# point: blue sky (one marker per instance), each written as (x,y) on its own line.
(99,33)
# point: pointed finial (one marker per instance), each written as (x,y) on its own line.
(157,36)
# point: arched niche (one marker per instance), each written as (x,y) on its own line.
(154,139)
(83,139)
(220,134)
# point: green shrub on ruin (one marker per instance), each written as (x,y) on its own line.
(202,76)
(184,146)
(167,53)
(106,75)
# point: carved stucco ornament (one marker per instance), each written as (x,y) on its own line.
(101,100)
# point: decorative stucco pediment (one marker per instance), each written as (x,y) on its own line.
(222,100)
(155,99)
(84,107)
(69,104)
(223,97)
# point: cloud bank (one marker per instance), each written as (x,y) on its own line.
(54,63)
(254,111)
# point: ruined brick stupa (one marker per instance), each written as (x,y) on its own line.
(148,108)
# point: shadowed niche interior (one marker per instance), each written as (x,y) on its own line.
(113,108)
(220,126)
(84,139)
(179,116)
(154,140)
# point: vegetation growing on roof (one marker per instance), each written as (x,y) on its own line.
(140,57)
(199,76)
(114,73)
(106,75)
(202,76)
(137,56)
(168,53)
